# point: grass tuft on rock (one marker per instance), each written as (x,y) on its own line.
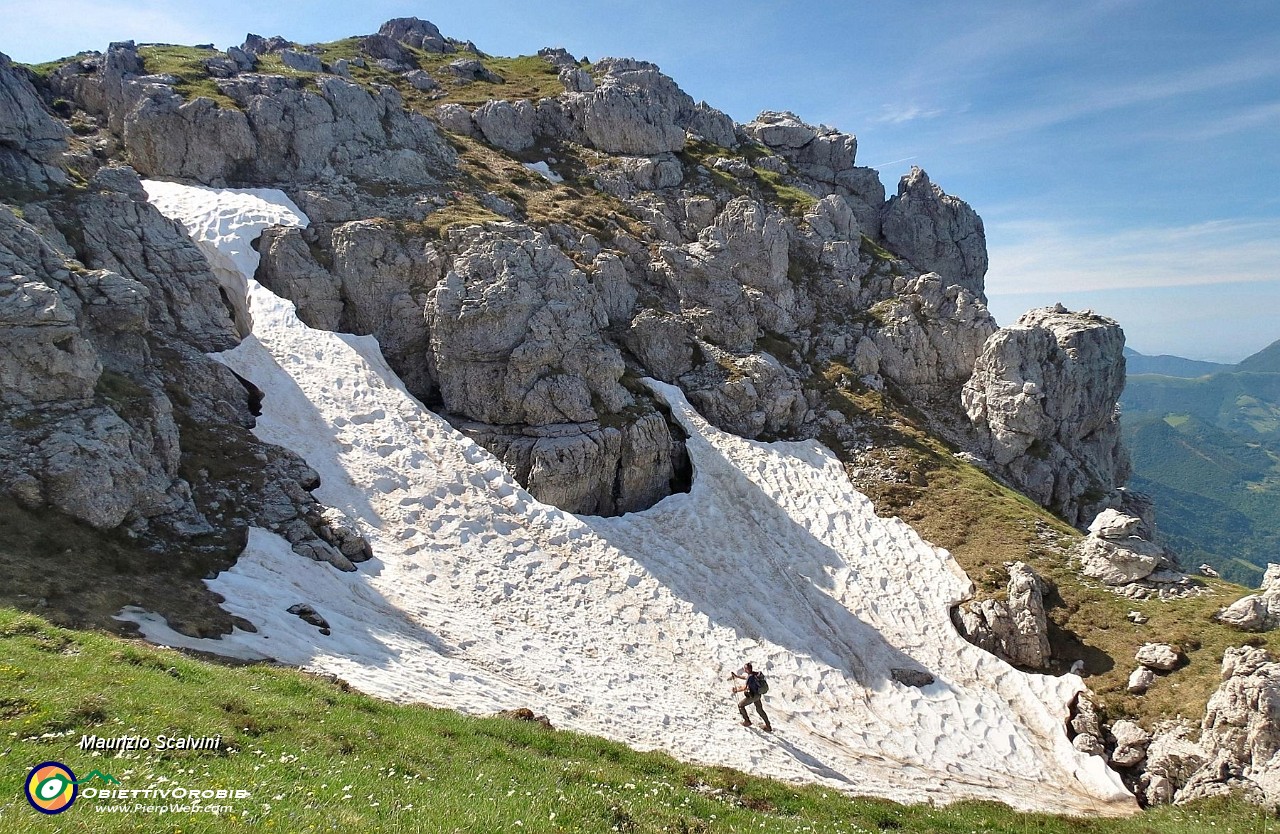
(186,63)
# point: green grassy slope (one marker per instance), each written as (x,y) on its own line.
(1266,360)
(317,757)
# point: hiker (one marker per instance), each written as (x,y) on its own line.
(752,694)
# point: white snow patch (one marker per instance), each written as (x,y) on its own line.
(544,170)
(480,598)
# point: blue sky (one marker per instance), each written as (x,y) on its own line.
(1125,155)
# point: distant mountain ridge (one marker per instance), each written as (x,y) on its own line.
(1205,443)
(1266,360)
(1166,365)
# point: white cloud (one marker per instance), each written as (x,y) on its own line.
(1076,103)
(899,113)
(1046,257)
(1260,115)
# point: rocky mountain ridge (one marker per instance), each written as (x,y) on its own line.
(522,262)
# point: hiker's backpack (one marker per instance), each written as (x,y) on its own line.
(762,683)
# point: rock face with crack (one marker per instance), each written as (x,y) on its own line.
(31,139)
(515,333)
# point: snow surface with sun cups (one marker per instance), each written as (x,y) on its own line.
(480,598)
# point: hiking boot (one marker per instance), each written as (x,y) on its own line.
(746,723)
(767,728)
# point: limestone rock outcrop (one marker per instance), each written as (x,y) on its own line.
(592,468)
(732,282)
(1014,629)
(375,281)
(1128,743)
(417,33)
(930,336)
(48,357)
(1158,657)
(386,276)
(759,397)
(937,232)
(636,110)
(1239,739)
(279,131)
(1113,553)
(515,333)
(824,156)
(287,266)
(1042,399)
(1120,553)
(124,234)
(509,125)
(1256,612)
(95,446)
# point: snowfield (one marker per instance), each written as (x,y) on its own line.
(480,598)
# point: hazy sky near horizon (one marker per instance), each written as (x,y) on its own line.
(1124,154)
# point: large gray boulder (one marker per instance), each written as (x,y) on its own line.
(1118,562)
(300,61)
(382,48)
(1129,743)
(937,232)
(1172,758)
(1158,657)
(1256,612)
(417,33)
(1241,726)
(664,344)
(636,110)
(1042,399)
(509,125)
(257,45)
(1014,629)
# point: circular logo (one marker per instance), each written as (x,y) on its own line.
(51,787)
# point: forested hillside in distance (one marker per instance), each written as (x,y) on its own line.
(1208,450)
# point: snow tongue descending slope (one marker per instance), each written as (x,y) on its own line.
(480,598)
